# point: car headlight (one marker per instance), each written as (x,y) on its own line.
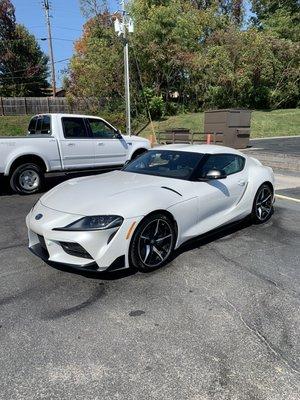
(94,223)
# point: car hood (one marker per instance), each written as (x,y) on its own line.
(118,192)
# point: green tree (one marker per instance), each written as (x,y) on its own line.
(23,66)
(96,69)
(282,18)
(167,38)
(248,69)
(265,8)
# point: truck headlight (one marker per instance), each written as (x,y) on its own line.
(94,223)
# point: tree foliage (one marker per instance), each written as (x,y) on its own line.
(23,66)
(193,54)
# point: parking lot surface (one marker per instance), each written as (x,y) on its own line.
(290,145)
(220,322)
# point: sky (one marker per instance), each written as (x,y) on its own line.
(67,22)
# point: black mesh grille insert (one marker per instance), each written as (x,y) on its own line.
(42,242)
(43,245)
(74,249)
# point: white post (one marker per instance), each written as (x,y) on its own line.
(126,71)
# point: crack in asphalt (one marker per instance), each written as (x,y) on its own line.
(17,296)
(12,246)
(292,365)
(292,293)
(289,363)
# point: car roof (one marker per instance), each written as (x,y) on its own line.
(200,148)
(60,115)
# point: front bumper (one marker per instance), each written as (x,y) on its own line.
(105,250)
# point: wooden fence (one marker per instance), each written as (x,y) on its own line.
(41,105)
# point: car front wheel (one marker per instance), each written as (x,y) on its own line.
(153,242)
(263,204)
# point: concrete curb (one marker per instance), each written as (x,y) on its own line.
(274,137)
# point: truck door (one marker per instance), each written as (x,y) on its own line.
(110,146)
(77,148)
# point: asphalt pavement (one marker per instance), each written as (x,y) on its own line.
(220,322)
(280,145)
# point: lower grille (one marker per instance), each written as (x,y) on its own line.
(43,245)
(74,249)
(42,242)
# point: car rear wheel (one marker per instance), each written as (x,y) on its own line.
(263,204)
(27,179)
(153,242)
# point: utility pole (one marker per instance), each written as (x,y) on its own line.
(47,9)
(122,28)
(126,71)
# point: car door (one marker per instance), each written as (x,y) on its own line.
(109,145)
(217,197)
(77,147)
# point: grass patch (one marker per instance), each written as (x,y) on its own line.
(14,125)
(263,123)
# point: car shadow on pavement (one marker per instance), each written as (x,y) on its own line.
(212,236)
(51,180)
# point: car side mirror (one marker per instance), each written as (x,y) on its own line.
(118,134)
(214,174)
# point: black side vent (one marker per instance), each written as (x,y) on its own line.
(74,249)
(172,190)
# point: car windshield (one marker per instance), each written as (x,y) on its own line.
(166,163)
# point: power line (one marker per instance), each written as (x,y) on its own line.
(43,39)
(28,69)
(23,84)
(56,27)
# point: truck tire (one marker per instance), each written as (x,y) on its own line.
(27,179)
(138,153)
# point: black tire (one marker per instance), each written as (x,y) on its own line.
(34,175)
(153,242)
(263,209)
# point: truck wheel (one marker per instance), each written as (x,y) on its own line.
(138,153)
(27,179)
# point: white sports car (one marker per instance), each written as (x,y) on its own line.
(136,217)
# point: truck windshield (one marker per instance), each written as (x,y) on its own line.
(166,163)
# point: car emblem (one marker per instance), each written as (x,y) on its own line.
(39,216)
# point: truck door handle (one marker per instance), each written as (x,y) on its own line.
(242,183)
(71,144)
(100,144)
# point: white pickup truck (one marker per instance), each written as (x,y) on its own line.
(64,142)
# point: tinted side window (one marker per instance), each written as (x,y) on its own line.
(229,163)
(46,124)
(74,128)
(101,130)
(32,125)
(38,125)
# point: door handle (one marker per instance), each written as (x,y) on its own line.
(71,144)
(242,183)
(100,144)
